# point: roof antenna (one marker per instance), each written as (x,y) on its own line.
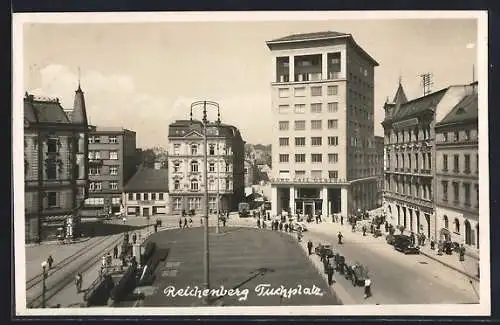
(79,75)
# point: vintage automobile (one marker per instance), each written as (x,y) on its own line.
(296,225)
(327,249)
(404,245)
(391,239)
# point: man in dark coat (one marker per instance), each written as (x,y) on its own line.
(329,272)
(309,246)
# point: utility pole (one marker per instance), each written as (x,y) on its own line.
(426,82)
(205,175)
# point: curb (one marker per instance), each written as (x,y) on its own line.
(473,277)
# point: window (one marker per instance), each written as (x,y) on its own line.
(333,107)
(333,90)
(211,167)
(130,196)
(316,91)
(283,109)
(113,155)
(153,196)
(97,139)
(146,196)
(300,173)
(316,141)
(456,136)
(300,142)
(52,145)
(177,185)
(455,163)
(228,168)
(446,223)
(177,203)
(160,196)
(455,192)
(177,166)
(177,149)
(283,158)
(228,185)
(113,139)
(211,185)
(97,186)
(94,171)
(333,124)
(194,185)
(194,149)
(300,92)
(211,150)
(52,199)
(194,166)
(333,174)
(445,163)
(300,108)
(333,141)
(283,142)
(316,157)
(333,158)
(194,203)
(316,108)
(466,194)
(445,190)
(300,125)
(467,135)
(113,170)
(316,124)
(316,174)
(137,196)
(283,125)
(467,164)
(113,185)
(457,226)
(51,169)
(300,158)
(283,92)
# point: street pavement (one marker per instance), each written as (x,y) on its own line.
(240,258)
(396,278)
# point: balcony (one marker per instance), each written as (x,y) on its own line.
(95,161)
(425,171)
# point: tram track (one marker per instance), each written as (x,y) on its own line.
(71,265)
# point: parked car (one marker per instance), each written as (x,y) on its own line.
(391,239)
(404,245)
(296,225)
(327,249)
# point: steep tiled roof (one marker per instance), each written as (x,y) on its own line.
(44,111)
(309,36)
(79,114)
(148,179)
(418,105)
(465,110)
(400,96)
(187,127)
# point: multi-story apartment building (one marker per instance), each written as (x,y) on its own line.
(226,155)
(323,134)
(249,172)
(146,193)
(378,164)
(112,161)
(55,168)
(457,171)
(409,129)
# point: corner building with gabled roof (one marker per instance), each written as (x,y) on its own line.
(324,153)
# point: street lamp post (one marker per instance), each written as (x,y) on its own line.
(205,175)
(44,287)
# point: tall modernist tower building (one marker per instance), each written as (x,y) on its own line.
(324,150)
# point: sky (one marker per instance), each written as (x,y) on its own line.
(144,76)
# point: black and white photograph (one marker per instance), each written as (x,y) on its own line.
(251,163)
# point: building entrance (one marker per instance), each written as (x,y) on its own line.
(308,208)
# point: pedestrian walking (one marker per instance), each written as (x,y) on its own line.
(156,227)
(50,260)
(190,222)
(258,223)
(180,223)
(224,222)
(185,222)
(134,238)
(386,227)
(339,236)
(412,236)
(461,253)
(78,282)
(309,246)
(433,244)
(115,252)
(368,290)
(364,230)
(329,272)
(286,227)
(341,220)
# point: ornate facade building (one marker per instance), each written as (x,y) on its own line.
(226,154)
(323,150)
(457,171)
(409,140)
(55,167)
